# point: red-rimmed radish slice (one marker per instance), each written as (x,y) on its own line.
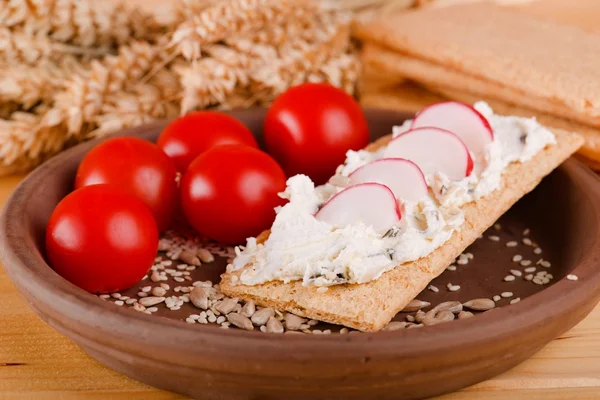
(433,150)
(403,177)
(462,120)
(371,203)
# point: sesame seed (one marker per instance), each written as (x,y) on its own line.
(119,302)
(316,332)
(343,331)
(454,288)
(115,295)
(545,264)
(515,300)
(322,289)
(537,250)
(527,241)
(146,289)
(512,243)
(509,278)
(516,272)
(178,279)
(462,261)
(190,321)
(497,226)
(494,238)
(451,268)
(104,296)
(526,232)
(152,309)
(528,277)
(130,301)
(526,263)
(572,277)
(517,258)
(506,294)
(538,280)
(530,270)
(142,294)
(496,298)
(433,288)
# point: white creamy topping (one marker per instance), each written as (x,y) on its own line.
(300,247)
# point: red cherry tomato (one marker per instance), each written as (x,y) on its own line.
(229,192)
(191,135)
(309,129)
(137,166)
(101,239)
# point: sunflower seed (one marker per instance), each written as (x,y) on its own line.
(205,256)
(395,325)
(442,316)
(240,321)
(199,297)
(465,314)
(452,306)
(189,258)
(274,326)
(415,305)
(226,306)
(151,301)
(293,322)
(248,309)
(261,316)
(419,316)
(572,277)
(410,318)
(482,304)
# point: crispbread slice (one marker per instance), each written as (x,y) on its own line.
(370,306)
(557,63)
(457,86)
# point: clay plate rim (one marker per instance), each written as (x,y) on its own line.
(54,296)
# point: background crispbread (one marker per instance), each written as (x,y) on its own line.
(370,306)
(502,46)
(457,86)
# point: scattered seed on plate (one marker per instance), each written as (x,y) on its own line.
(509,278)
(528,277)
(512,243)
(526,232)
(481,304)
(415,305)
(515,300)
(517,258)
(104,296)
(527,242)
(343,331)
(451,268)
(494,238)
(497,226)
(545,264)
(496,298)
(462,261)
(454,288)
(152,309)
(506,294)
(119,302)
(530,270)
(537,250)
(516,272)
(572,277)
(433,288)
(526,263)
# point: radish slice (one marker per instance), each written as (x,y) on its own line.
(403,177)
(462,120)
(371,203)
(433,150)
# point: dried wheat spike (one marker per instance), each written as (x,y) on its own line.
(80,22)
(27,86)
(229,18)
(84,94)
(298,61)
(342,71)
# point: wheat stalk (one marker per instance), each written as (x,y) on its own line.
(230,18)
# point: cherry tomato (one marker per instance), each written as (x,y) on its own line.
(137,166)
(101,239)
(309,129)
(191,135)
(229,192)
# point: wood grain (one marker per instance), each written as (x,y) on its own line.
(37,362)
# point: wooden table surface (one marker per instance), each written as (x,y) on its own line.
(37,362)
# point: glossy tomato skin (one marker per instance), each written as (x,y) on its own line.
(101,239)
(191,135)
(229,192)
(309,129)
(137,166)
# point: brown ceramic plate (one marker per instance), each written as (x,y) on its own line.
(563,214)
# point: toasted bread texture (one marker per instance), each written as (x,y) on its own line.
(370,306)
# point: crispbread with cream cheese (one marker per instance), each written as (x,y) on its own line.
(556,63)
(370,306)
(458,86)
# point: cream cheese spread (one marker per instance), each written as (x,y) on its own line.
(300,247)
